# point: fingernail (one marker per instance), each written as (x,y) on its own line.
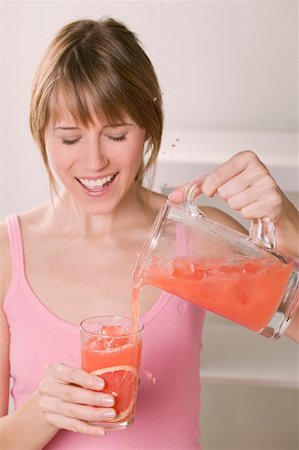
(100,383)
(97,431)
(109,414)
(107,401)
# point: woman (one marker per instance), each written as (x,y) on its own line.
(96,114)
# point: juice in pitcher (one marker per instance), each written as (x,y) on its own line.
(244,290)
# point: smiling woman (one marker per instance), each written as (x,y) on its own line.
(96,114)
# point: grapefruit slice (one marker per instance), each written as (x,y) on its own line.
(121,382)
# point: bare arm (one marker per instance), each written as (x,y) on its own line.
(67,398)
(25,428)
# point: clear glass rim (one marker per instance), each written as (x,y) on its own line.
(107,317)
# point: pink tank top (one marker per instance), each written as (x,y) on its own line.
(167,415)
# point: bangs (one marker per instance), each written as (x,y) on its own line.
(86,97)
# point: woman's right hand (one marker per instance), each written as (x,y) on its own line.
(70,398)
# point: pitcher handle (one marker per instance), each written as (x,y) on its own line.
(262,231)
(193,189)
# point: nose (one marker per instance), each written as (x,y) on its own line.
(95,157)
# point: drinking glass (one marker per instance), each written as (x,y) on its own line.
(111,349)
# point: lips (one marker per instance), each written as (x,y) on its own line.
(97,184)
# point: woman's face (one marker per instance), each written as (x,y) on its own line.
(98,164)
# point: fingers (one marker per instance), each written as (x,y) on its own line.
(224,179)
(226,176)
(75,394)
(75,425)
(70,397)
(257,203)
(247,187)
(257,177)
(73,375)
(51,405)
(245,184)
(177,196)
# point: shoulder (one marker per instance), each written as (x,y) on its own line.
(222,217)
(153,200)
(35,216)
(157,201)
(26,219)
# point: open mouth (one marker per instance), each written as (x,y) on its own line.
(97,184)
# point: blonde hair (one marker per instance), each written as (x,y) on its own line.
(97,67)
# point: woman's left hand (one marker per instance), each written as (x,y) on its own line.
(245,183)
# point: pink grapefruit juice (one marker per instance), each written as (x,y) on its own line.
(98,353)
(244,290)
(115,356)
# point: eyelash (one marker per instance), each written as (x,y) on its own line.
(115,139)
(68,142)
(118,138)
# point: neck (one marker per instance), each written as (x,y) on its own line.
(72,218)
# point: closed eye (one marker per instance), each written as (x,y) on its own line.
(69,141)
(118,138)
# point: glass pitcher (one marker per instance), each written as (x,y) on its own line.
(239,277)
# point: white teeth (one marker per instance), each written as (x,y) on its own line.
(95,184)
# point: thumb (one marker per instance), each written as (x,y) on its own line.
(177,195)
(188,190)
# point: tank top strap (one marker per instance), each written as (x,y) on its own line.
(16,247)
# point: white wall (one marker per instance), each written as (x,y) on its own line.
(223,65)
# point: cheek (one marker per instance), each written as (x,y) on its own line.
(134,155)
(132,161)
(54,159)
(58,158)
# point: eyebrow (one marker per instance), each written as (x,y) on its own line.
(66,128)
(116,125)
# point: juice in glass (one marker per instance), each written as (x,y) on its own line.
(112,350)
